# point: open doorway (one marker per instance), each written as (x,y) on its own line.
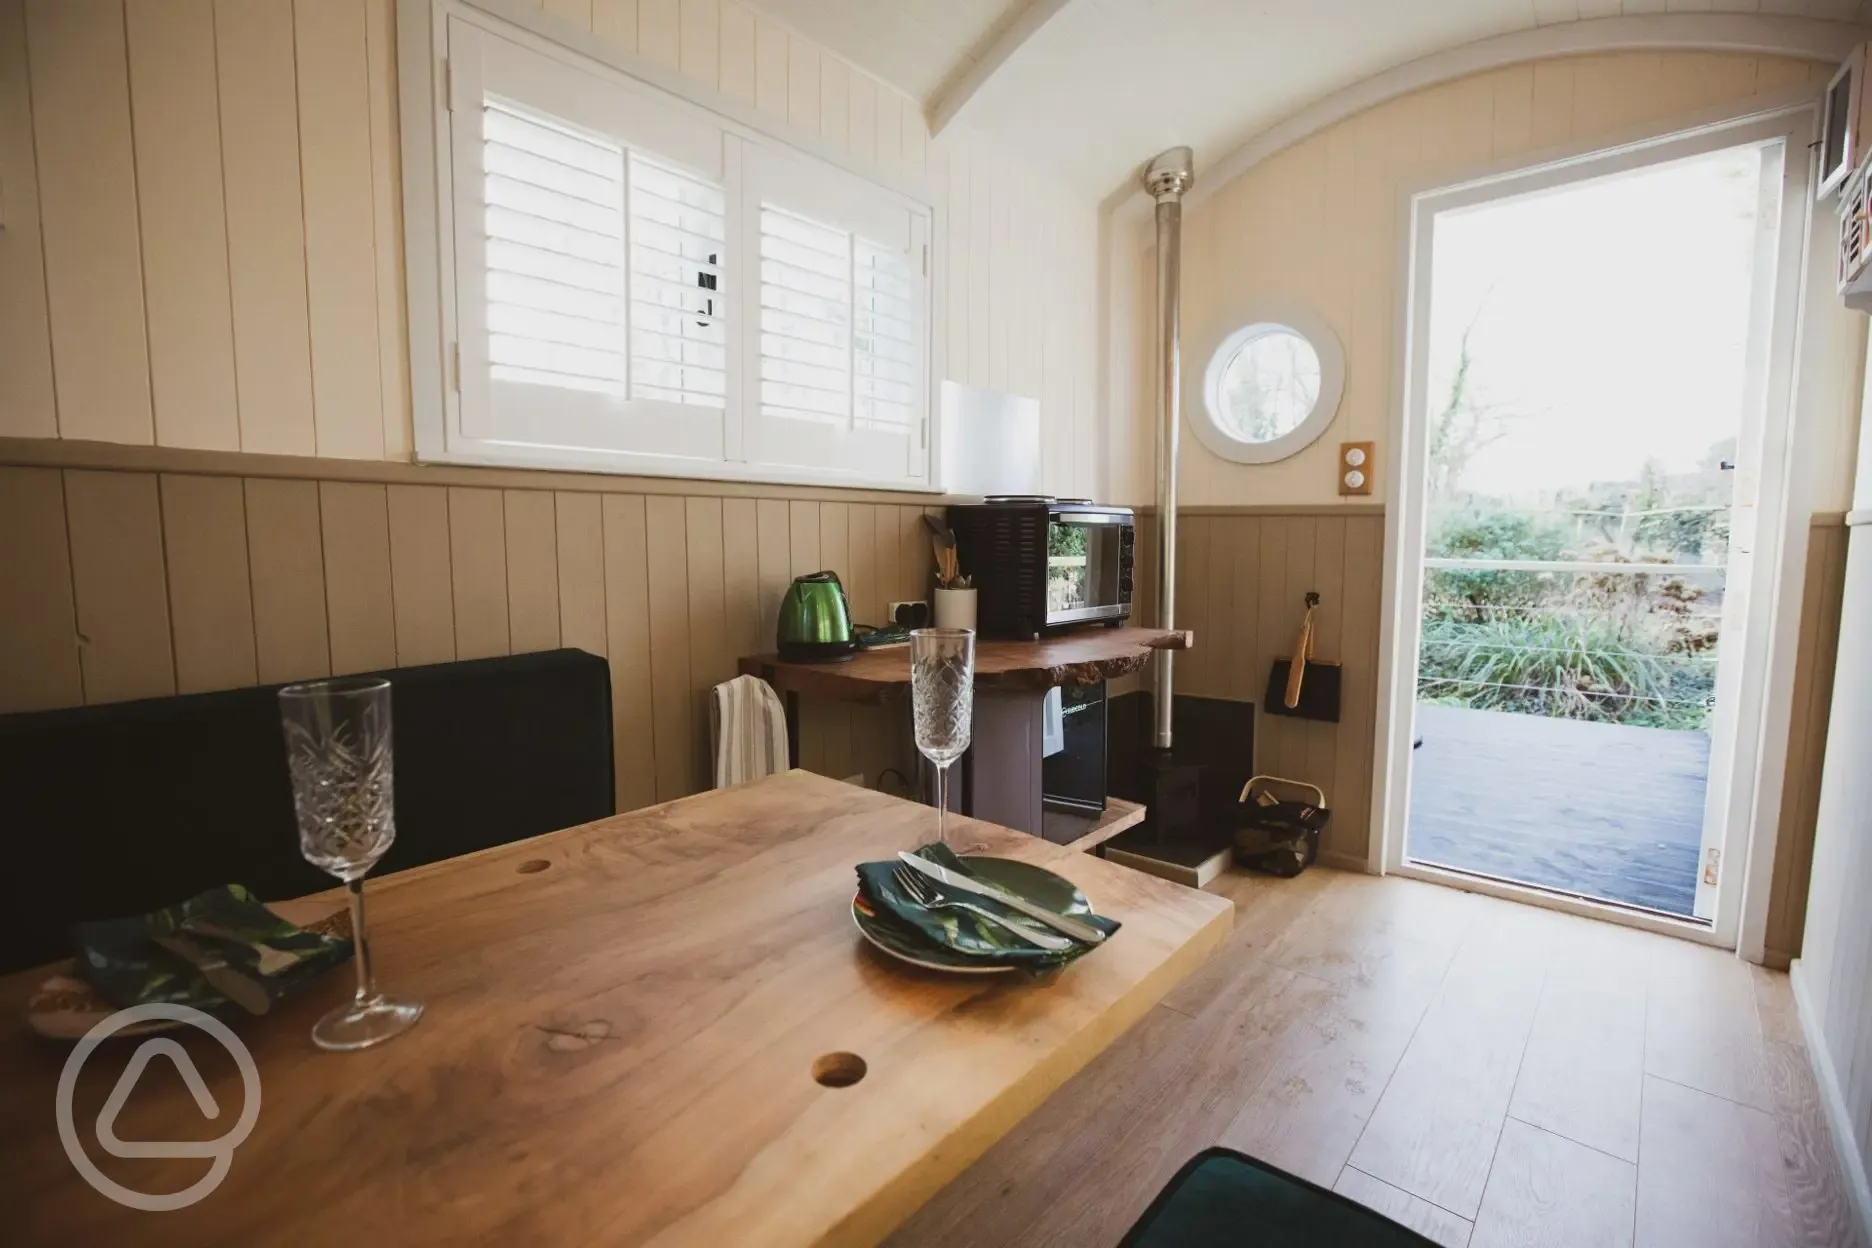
(1595,351)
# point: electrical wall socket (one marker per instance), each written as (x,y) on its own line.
(1356,467)
(857,778)
(915,604)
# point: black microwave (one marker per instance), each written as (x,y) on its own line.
(1045,564)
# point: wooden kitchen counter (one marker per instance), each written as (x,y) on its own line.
(1077,658)
(1011,680)
(623,1022)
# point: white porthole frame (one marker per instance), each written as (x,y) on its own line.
(1203,382)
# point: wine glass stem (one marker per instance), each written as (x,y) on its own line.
(360,945)
(942,803)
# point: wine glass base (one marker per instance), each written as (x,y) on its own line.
(360,1024)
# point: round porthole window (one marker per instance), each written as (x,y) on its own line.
(1269,388)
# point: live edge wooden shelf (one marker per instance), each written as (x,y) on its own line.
(1088,832)
(1011,680)
(883,673)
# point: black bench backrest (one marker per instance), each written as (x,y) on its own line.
(127,807)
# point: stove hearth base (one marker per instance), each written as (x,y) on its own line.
(1189,791)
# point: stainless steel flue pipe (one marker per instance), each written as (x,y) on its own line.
(1167,178)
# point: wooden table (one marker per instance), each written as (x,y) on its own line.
(1011,680)
(623,1025)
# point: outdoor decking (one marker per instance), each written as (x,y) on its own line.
(1600,809)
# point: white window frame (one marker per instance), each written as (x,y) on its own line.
(1205,368)
(682,435)
(451,423)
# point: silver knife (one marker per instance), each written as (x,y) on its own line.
(981,888)
(248,993)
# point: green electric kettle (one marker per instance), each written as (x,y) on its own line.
(815,621)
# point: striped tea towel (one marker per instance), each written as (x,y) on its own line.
(747,723)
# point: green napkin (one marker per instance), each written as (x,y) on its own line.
(124,963)
(958,929)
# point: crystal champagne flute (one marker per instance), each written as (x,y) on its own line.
(942,698)
(338,750)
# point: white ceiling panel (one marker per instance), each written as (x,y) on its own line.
(1100,86)
(1106,84)
(914,45)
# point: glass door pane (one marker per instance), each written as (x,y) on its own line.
(1593,387)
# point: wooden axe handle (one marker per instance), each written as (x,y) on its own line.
(1296,668)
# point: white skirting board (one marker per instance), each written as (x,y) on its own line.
(1833,1101)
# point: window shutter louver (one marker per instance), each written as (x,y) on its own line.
(679,231)
(554,216)
(560,301)
(885,350)
(806,319)
(839,327)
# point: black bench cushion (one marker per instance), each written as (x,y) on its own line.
(127,807)
(1225,1199)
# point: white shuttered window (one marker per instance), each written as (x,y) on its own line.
(806,319)
(679,234)
(887,348)
(554,223)
(842,307)
(639,285)
(839,329)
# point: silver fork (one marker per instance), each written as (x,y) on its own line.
(925,894)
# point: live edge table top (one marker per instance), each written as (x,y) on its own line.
(623,1022)
(1077,658)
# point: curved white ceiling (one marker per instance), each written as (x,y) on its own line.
(915,45)
(1100,86)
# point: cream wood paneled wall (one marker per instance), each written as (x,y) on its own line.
(203,242)
(134,573)
(1834,976)
(1242,574)
(126,580)
(1317,226)
(1807,736)
(140,583)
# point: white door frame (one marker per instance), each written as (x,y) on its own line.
(1784,496)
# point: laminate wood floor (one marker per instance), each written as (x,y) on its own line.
(1486,1072)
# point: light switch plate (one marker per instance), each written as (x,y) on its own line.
(1357,466)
